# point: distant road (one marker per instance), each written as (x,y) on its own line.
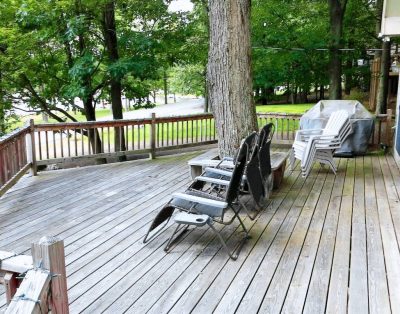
(183,106)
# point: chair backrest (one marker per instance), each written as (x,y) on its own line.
(250,141)
(255,181)
(238,170)
(265,138)
(336,122)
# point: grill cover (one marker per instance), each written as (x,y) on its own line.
(362,123)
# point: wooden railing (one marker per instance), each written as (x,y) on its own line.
(16,156)
(62,142)
(37,283)
(287,124)
(73,142)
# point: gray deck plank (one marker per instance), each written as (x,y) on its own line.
(323,244)
(388,235)
(377,280)
(253,297)
(358,281)
(298,287)
(319,282)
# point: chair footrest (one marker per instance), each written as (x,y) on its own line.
(191,219)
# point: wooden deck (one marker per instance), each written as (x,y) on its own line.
(324,244)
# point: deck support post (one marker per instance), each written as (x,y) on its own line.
(49,254)
(31,148)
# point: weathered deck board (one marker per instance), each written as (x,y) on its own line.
(323,244)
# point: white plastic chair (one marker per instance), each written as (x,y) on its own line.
(319,144)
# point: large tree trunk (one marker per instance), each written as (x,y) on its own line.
(383,87)
(93,134)
(229,72)
(336,14)
(111,43)
(378,18)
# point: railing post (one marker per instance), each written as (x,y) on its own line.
(31,148)
(389,127)
(153,136)
(49,254)
(11,285)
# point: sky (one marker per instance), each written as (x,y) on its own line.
(180,5)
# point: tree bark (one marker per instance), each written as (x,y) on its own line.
(321,92)
(229,73)
(263,96)
(379,10)
(383,87)
(336,14)
(111,43)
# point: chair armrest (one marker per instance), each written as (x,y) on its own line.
(304,135)
(212,180)
(200,200)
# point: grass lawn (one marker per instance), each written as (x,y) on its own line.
(286,108)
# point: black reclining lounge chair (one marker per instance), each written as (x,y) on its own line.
(199,208)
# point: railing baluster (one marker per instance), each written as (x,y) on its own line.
(40,145)
(177,132)
(126,138)
(76,142)
(171,133)
(144,136)
(108,139)
(54,144)
(182,128)
(121,130)
(82,144)
(89,140)
(138,128)
(159,134)
(102,139)
(133,136)
(95,140)
(68,143)
(62,144)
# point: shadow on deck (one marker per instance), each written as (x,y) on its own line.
(324,243)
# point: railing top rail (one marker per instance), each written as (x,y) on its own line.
(90,124)
(14,134)
(116,123)
(279,114)
(184,118)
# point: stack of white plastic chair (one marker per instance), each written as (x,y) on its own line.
(319,144)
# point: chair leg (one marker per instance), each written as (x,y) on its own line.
(333,167)
(173,238)
(235,253)
(252,217)
(291,159)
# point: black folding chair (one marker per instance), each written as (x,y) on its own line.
(264,142)
(198,207)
